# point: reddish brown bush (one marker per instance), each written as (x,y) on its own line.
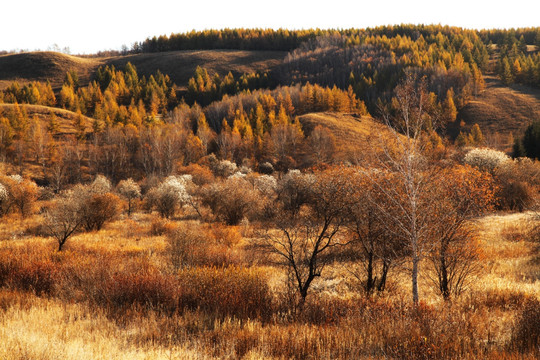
(99,209)
(231,291)
(150,291)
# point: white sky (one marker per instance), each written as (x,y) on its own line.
(92,25)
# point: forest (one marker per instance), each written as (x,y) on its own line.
(336,205)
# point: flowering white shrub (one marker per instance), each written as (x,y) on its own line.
(100,185)
(266,184)
(17,178)
(171,194)
(485,159)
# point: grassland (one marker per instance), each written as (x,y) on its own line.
(64,315)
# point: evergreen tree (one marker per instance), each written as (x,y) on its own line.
(531,140)
(506,72)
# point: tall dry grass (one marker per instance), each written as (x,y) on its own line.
(113,294)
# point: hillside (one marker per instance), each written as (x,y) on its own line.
(501,109)
(64,117)
(353,133)
(179,65)
(43,66)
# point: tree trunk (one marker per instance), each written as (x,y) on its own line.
(382,283)
(370,283)
(415,261)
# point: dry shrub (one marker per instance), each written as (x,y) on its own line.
(25,272)
(146,291)
(514,195)
(186,245)
(526,332)
(497,299)
(201,175)
(514,232)
(10,297)
(160,226)
(99,209)
(324,310)
(225,235)
(133,229)
(231,291)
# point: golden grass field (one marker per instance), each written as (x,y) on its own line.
(69,321)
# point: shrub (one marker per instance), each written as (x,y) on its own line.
(223,168)
(23,194)
(160,227)
(169,195)
(232,291)
(201,175)
(485,159)
(150,291)
(266,168)
(98,209)
(230,200)
(526,332)
(4,200)
(185,246)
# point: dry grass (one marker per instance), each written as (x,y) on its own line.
(43,66)
(353,133)
(111,295)
(501,109)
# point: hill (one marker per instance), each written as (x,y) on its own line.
(502,109)
(353,133)
(179,65)
(64,117)
(43,66)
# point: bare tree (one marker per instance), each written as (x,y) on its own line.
(374,247)
(63,219)
(305,238)
(406,187)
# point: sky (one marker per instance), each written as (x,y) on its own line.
(90,26)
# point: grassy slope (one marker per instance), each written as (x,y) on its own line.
(352,132)
(43,66)
(179,65)
(502,109)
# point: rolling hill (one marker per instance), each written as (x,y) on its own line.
(502,109)
(179,65)
(352,133)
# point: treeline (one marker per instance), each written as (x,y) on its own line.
(530,35)
(204,89)
(374,64)
(243,39)
(516,64)
(283,39)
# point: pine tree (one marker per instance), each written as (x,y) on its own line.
(477,136)
(506,72)
(449,108)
